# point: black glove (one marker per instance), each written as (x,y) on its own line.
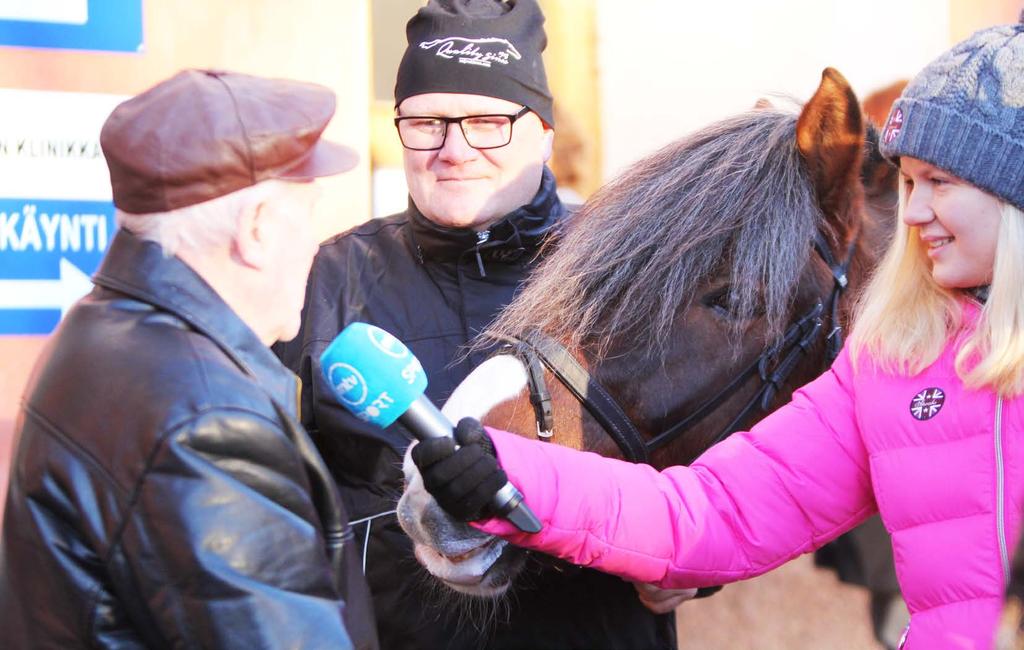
(462,481)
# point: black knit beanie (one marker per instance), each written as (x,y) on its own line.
(478,47)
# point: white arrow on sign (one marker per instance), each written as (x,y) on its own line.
(46,294)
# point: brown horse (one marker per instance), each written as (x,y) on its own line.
(686,299)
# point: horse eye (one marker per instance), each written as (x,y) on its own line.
(718,300)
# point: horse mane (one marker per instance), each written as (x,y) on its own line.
(734,196)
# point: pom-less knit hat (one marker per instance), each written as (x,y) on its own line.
(964,113)
(477,47)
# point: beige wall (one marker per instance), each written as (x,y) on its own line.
(325,42)
(668,68)
(575,77)
(968,16)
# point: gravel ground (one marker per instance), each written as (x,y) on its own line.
(794,607)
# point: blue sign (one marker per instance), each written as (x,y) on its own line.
(106,25)
(48,250)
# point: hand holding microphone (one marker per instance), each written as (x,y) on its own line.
(462,478)
(377,378)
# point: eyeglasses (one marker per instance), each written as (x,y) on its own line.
(428,133)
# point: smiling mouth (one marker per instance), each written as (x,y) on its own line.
(935,244)
(460,179)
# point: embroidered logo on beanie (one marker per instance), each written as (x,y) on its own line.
(927,403)
(893,127)
(474,51)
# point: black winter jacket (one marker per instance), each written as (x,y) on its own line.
(435,288)
(163,494)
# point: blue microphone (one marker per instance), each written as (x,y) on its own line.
(378,379)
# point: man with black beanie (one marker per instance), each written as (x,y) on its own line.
(475,117)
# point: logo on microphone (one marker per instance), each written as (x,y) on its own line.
(386,343)
(349,385)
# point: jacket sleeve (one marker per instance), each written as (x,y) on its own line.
(753,502)
(224,545)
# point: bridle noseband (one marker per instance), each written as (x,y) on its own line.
(538,351)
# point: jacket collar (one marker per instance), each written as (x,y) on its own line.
(981,293)
(139,269)
(518,233)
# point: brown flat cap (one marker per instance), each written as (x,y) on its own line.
(203,134)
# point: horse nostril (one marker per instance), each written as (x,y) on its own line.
(406,514)
(437,522)
(428,524)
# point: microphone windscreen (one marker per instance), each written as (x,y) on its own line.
(372,373)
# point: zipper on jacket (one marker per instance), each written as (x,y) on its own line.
(481,239)
(1004,556)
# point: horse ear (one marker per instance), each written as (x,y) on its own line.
(830,137)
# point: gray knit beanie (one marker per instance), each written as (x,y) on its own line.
(964,113)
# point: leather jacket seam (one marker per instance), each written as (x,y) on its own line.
(159,443)
(88,623)
(158,446)
(52,430)
(183,425)
(118,532)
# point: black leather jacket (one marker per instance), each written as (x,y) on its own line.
(163,494)
(435,288)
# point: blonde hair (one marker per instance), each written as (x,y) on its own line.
(904,319)
(210,224)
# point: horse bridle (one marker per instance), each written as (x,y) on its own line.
(538,351)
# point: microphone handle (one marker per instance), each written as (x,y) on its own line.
(425,421)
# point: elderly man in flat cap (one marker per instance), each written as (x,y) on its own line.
(475,117)
(163,493)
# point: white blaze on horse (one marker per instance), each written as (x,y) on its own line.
(455,553)
(686,299)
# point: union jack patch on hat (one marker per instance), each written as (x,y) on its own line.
(893,126)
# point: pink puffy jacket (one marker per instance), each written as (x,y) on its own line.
(943,464)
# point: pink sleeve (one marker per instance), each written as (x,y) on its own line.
(747,505)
